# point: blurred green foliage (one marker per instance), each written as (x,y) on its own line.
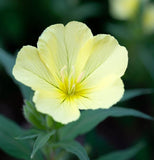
(21,23)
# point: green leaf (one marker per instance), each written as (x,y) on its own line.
(33,116)
(18,149)
(73,147)
(125,154)
(8,61)
(41,140)
(30,134)
(91,118)
(27,137)
(26,91)
(132,93)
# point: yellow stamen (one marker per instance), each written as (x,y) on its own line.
(80,77)
(62,72)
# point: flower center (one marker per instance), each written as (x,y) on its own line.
(70,85)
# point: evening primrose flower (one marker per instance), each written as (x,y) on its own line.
(124,9)
(72,70)
(148,18)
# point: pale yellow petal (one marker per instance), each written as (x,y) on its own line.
(103,97)
(108,61)
(58,45)
(76,35)
(52,50)
(30,70)
(63,112)
(94,53)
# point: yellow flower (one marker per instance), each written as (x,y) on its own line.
(71,69)
(124,9)
(148,18)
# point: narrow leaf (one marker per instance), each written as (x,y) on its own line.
(125,154)
(132,93)
(30,134)
(91,118)
(41,140)
(18,149)
(27,137)
(73,147)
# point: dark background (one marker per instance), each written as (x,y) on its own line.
(22,22)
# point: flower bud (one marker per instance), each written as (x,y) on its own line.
(33,116)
